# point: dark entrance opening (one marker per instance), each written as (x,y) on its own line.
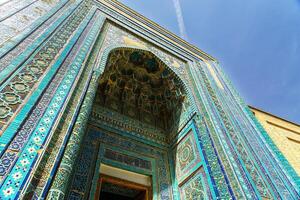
(117,189)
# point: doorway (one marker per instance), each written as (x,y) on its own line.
(112,188)
(118,184)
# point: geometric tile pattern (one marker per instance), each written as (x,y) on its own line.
(139,152)
(142,130)
(28,76)
(127,159)
(14,91)
(17,17)
(84,169)
(186,154)
(43,27)
(194,188)
(41,176)
(41,133)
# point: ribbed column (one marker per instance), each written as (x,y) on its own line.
(63,175)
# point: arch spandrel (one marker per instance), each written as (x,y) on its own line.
(118,36)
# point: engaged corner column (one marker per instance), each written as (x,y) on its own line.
(62,178)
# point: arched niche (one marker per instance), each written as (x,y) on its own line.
(137,84)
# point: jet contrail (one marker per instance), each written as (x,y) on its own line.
(180,19)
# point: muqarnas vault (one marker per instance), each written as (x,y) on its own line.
(97,101)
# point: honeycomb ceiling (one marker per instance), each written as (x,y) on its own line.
(137,84)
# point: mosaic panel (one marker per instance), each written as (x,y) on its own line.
(186,156)
(260,184)
(254,136)
(137,153)
(22,136)
(42,61)
(10,7)
(240,146)
(84,168)
(160,174)
(21,23)
(43,175)
(14,58)
(72,148)
(16,23)
(225,184)
(117,35)
(36,141)
(246,114)
(194,188)
(127,124)
(126,159)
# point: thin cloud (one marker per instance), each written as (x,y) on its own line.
(180,20)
